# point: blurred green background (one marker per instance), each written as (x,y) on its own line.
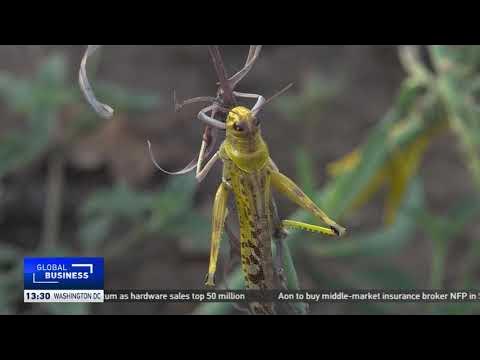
(385,138)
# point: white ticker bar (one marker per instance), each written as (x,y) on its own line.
(63,296)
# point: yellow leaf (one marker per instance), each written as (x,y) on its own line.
(345,164)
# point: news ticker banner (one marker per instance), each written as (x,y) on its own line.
(81,280)
(218,296)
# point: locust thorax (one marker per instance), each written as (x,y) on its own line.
(244,143)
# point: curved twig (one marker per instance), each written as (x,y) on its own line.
(209,138)
(190,167)
(252,58)
(200,99)
(210,121)
(101,109)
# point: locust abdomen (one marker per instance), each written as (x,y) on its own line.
(252,196)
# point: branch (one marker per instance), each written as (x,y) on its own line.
(226,89)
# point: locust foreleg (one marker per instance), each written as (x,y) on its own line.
(202,173)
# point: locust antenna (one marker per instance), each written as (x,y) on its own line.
(259,108)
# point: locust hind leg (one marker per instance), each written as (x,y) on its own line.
(287,187)
(218,221)
(309,227)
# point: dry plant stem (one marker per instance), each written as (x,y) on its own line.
(227,91)
(101,109)
(200,99)
(53,203)
(252,58)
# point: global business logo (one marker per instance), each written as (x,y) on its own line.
(66,273)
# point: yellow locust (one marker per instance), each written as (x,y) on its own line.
(250,175)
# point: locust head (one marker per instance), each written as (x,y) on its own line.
(242,123)
(244,144)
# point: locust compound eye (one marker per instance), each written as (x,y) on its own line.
(237,127)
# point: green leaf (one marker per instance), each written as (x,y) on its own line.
(458,69)
(338,197)
(412,62)
(292,278)
(305,166)
(407,98)
(449,226)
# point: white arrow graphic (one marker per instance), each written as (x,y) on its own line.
(90,266)
(43,282)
